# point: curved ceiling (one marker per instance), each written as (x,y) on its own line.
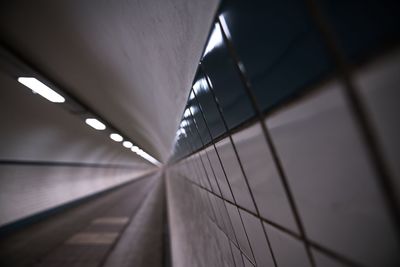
(132,62)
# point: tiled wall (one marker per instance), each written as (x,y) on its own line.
(28,190)
(288,151)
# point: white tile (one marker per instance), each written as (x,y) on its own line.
(263,177)
(234,174)
(219,219)
(228,227)
(219,173)
(239,230)
(332,179)
(287,250)
(202,172)
(247,263)
(257,239)
(202,163)
(208,169)
(191,172)
(210,210)
(195,173)
(225,248)
(379,86)
(237,256)
(322,260)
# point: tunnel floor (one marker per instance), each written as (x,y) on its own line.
(123,227)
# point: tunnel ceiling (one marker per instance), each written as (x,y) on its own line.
(130,61)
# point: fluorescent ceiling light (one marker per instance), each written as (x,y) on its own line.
(184,123)
(135,149)
(181,131)
(200,86)
(186,114)
(191,96)
(149,158)
(224,25)
(193,110)
(42,89)
(144,155)
(96,124)
(116,137)
(127,144)
(215,40)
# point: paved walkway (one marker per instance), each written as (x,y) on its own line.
(123,227)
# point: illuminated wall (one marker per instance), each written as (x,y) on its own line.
(288,151)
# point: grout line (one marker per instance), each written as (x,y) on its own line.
(204,208)
(214,214)
(312,244)
(228,131)
(218,155)
(213,220)
(367,131)
(264,114)
(333,254)
(201,140)
(194,170)
(204,149)
(278,226)
(235,129)
(237,246)
(193,159)
(212,169)
(233,257)
(247,85)
(359,113)
(223,201)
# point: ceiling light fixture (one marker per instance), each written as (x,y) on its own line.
(95,123)
(184,123)
(200,86)
(224,25)
(186,114)
(135,149)
(127,144)
(116,137)
(42,89)
(191,96)
(149,158)
(215,40)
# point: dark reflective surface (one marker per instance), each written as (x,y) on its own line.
(279,46)
(208,105)
(194,134)
(281,52)
(198,118)
(226,83)
(362,28)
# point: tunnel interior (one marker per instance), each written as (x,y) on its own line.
(200,133)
